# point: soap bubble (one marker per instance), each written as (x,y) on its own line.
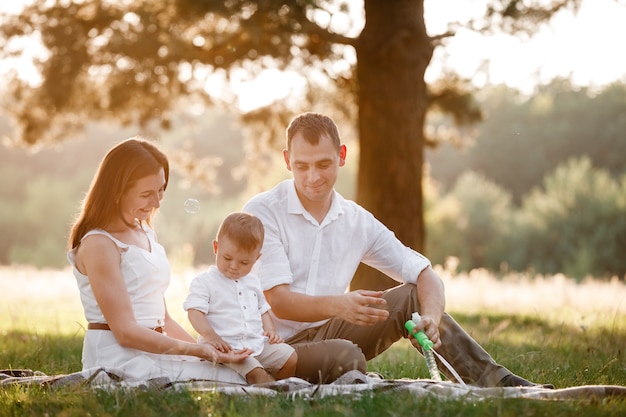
(192,205)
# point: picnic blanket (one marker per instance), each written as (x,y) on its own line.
(351,383)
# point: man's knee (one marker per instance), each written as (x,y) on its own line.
(349,358)
(325,361)
(402,299)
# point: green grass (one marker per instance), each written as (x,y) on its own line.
(561,355)
(146,404)
(549,345)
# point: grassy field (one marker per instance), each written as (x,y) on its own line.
(548,329)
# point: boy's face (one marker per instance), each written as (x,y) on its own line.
(232,261)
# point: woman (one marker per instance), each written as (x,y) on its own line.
(122,274)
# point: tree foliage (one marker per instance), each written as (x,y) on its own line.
(471,223)
(572,223)
(523,139)
(575,223)
(134,61)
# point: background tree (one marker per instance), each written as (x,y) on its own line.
(134,61)
(523,138)
(575,223)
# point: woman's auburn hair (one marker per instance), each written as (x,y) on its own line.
(125,163)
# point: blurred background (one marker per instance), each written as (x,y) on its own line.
(528,173)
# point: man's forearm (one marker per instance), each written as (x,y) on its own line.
(431,294)
(295,306)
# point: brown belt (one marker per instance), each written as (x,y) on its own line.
(104,326)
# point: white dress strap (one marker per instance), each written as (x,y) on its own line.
(118,242)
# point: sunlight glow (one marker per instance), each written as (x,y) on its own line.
(249,93)
(48,301)
(586,47)
(269,86)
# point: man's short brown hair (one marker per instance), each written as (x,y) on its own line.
(313,126)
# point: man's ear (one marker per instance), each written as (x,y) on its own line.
(343,151)
(286,157)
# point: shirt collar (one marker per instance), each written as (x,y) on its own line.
(294,206)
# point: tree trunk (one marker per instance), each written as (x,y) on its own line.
(393,53)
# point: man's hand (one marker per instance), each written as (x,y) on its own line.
(363,307)
(431,329)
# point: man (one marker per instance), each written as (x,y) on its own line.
(314,242)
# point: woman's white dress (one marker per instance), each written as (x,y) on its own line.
(147,276)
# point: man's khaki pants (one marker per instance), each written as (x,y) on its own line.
(328,351)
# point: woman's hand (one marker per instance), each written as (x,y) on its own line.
(234,356)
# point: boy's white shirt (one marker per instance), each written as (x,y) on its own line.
(233,308)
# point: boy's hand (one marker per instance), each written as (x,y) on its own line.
(219,344)
(273,337)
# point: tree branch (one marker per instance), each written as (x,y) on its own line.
(436,40)
(330,37)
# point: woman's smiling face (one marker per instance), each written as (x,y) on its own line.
(143,197)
